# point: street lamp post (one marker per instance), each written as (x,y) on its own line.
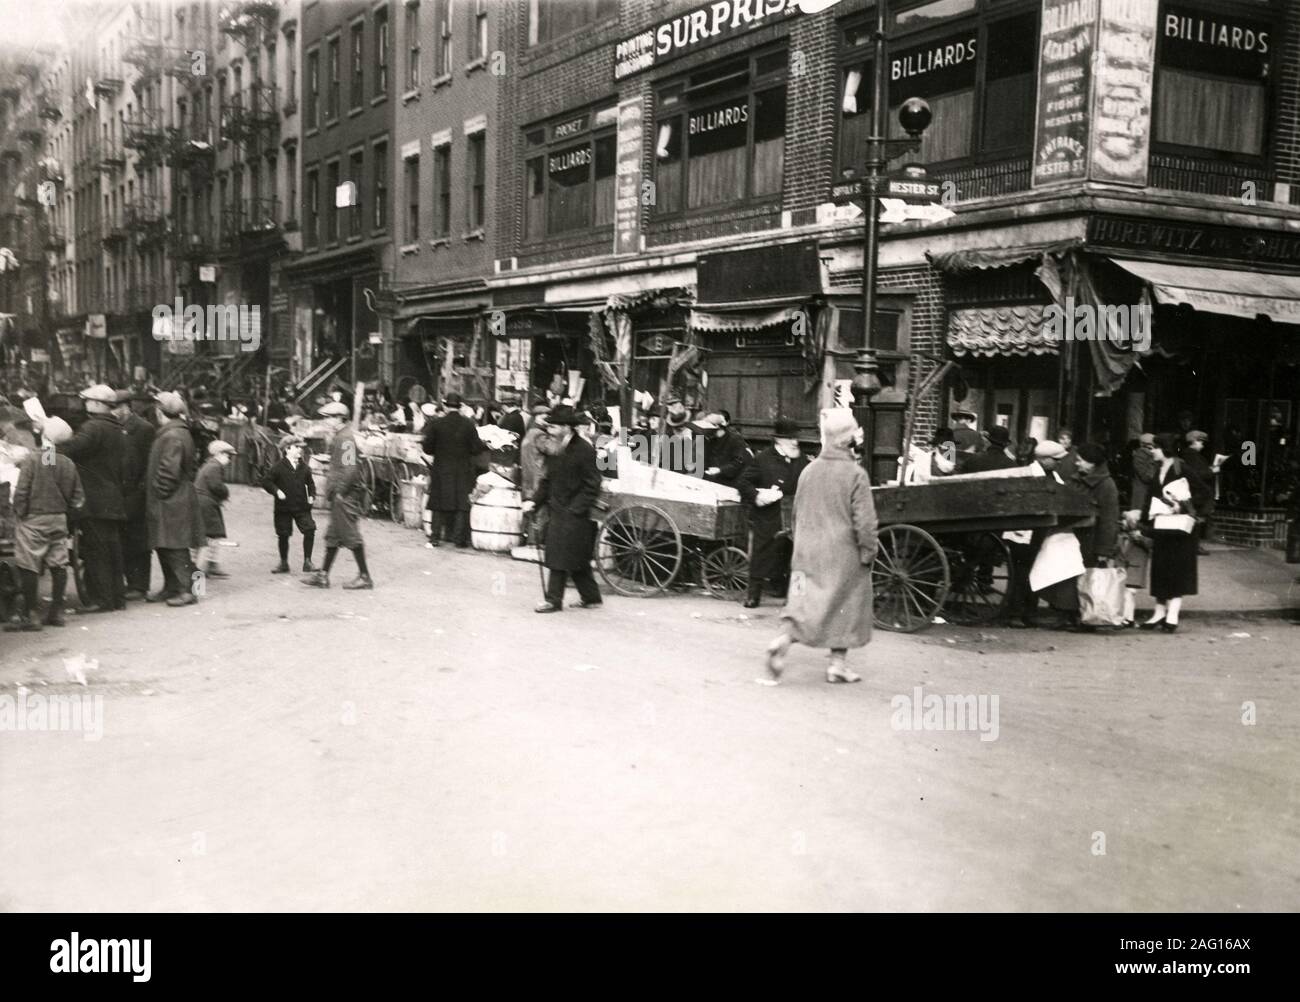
(914,116)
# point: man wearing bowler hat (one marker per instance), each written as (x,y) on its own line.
(767,487)
(171,503)
(453,442)
(343,488)
(1000,455)
(569,491)
(99,449)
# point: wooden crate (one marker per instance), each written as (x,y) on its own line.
(971,505)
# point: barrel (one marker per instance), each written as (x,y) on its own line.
(413,498)
(496,521)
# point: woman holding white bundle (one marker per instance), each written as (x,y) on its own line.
(1171,524)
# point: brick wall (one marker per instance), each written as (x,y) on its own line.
(1260,529)
(1288,103)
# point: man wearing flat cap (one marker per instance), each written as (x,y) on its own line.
(99,449)
(290,482)
(171,504)
(452,442)
(343,491)
(569,491)
(767,488)
(137,557)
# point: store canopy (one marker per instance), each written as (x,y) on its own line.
(998,257)
(730,321)
(1219,290)
(1000,330)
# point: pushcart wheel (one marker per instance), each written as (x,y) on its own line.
(980,564)
(725,572)
(639,550)
(77,568)
(366,497)
(909,579)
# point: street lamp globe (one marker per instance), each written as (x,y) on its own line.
(914,116)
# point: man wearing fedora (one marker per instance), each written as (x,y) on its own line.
(569,491)
(1000,455)
(767,488)
(343,487)
(137,558)
(171,504)
(452,441)
(99,449)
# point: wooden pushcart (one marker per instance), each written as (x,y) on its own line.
(646,544)
(941,546)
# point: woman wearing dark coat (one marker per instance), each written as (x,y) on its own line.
(1173,553)
(1098,542)
(569,491)
(172,507)
(830,598)
(453,442)
(767,487)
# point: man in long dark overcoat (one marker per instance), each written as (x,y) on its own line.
(137,557)
(452,441)
(99,450)
(569,491)
(767,488)
(172,507)
(343,490)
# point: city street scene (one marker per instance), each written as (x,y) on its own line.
(629,456)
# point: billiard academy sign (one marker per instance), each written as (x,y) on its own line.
(695,29)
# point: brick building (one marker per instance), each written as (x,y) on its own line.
(337,286)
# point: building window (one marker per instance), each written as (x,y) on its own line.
(442,38)
(313,89)
(381,185)
(720,134)
(476,176)
(331,208)
(413,45)
(381,52)
(291,64)
(221,108)
(1212,81)
(552,19)
(978,73)
(356,174)
(412,171)
(358,64)
(291,183)
(442,191)
(479,35)
(569,174)
(332,95)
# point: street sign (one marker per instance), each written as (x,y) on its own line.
(912,190)
(844,192)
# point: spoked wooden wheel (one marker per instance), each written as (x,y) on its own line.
(366,498)
(400,473)
(909,579)
(639,550)
(77,568)
(980,564)
(725,572)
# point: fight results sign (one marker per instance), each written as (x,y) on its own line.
(1068,40)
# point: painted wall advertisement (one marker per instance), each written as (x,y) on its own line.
(1064,91)
(1126,51)
(627,193)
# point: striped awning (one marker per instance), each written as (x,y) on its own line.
(1000,330)
(731,321)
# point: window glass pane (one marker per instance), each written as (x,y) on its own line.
(668,165)
(605,159)
(717,136)
(569,189)
(1210,113)
(534,195)
(855,117)
(931,13)
(769,141)
(1010,82)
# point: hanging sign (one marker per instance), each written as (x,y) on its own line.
(1064,91)
(627,193)
(1121,120)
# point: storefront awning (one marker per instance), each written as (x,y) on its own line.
(1000,330)
(726,322)
(998,257)
(1220,290)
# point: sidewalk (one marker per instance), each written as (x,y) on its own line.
(1236,579)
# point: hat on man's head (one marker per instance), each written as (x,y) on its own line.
(706,424)
(566,415)
(1196,436)
(170,403)
(100,393)
(1091,452)
(335,408)
(428,409)
(678,419)
(785,427)
(218,447)
(999,435)
(452,400)
(540,410)
(1050,450)
(56,430)
(289,441)
(1147,438)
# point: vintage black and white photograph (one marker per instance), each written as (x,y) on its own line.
(650,456)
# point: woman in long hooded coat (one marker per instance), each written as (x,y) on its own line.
(829,603)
